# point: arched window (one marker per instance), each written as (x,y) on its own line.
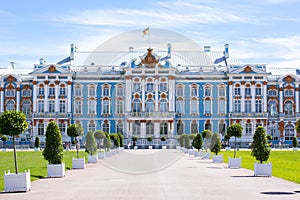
(120,106)
(288,108)
(150,128)
(26,107)
(258,106)
(163,128)
(150,106)
(272,108)
(289,132)
(194,127)
(163,106)
(10,105)
(222,107)
(136,128)
(180,106)
(92,126)
(237,106)
(92,107)
(207,106)
(136,106)
(194,107)
(106,107)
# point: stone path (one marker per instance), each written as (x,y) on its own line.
(158,174)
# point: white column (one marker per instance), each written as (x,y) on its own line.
(156,94)
(143,130)
(143,95)
(69,97)
(169,128)
(128,94)
(46,98)
(230,97)
(265,98)
(297,99)
(280,98)
(34,98)
(252,97)
(2,99)
(156,130)
(57,97)
(18,98)
(243,98)
(172,94)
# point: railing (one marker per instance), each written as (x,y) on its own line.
(151,114)
(264,115)
(156,143)
(51,115)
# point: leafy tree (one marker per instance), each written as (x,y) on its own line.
(134,139)
(121,139)
(206,135)
(163,139)
(295,142)
(37,142)
(53,151)
(180,140)
(106,142)
(75,130)
(215,145)
(149,139)
(226,138)
(198,142)
(115,138)
(235,130)
(186,141)
(4,138)
(13,123)
(260,148)
(90,146)
(298,126)
(192,136)
(99,135)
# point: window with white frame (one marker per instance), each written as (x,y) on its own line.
(289,93)
(92,107)
(222,128)
(136,87)
(106,128)
(77,107)
(258,91)
(273,132)
(62,91)
(106,107)
(272,108)
(288,108)
(248,106)
(62,106)
(248,129)
(120,107)
(150,87)
(194,127)
(163,128)
(207,107)
(222,106)
(26,107)
(120,91)
(10,92)
(41,106)
(247,91)
(194,91)
(105,91)
(78,92)
(51,106)
(136,106)
(163,105)
(222,92)
(41,91)
(180,128)
(179,91)
(237,106)
(194,107)
(92,126)
(51,91)
(149,128)
(40,129)
(237,91)
(179,106)
(258,106)
(10,105)
(136,128)
(150,106)
(207,91)
(120,128)
(207,126)
(26,93)
(62,128)
(92,91)
(288,132)
(272,93)
(163,87)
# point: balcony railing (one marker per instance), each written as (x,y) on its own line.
(150,115)
(51,115)
(245,115)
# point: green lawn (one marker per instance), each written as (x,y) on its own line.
(31,160)
(286,164)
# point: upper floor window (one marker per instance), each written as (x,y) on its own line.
(207,91)
(180,107)
(92,91)
(179,91)
(10,92)
(163,87)
(120,91)
(258,106)
(222,107)
(106,128)
(105,91)
(194,107)
(62,91)
(272,108)
(194,91)
(51,91)
(237,106)
(237,91)
(92,107)
(289,93)
(163,105)
(248,107)
(272,93)
(106,107)
(248,130)
(26,107)
(136,87)
(288,108)
(77,106)
(258,91)
(62,106)
(40,106)
(150,87)
(26,93)
(222,92)
(78,91)
(41,91)
(10,105)
(150,106)
(207,107)
(247,91)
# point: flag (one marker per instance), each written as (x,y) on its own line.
(146,31)
(68,59)
(218,60)
(297,71)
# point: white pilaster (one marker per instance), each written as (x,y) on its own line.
(243,98)
(46,93)
(265,103)
(297,99)
(156,130)
(34,98)
(18,98)
(56,97)
(280,98)
(156,94)
(2,99)
(230,97)
(143,95)
(128,94)
(172,90)
(69,97)
(252,97)
(143,130)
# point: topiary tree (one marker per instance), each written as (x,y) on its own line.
(149,139)
(186,141)
(260,148)
(99,135)
(192,136)
(75,130)
(298,126)
(115,139)
(180,140)
(206,135)
(37,142)
(13,123)
(215,145)
(235,130)
(295,142)
(197,142)
(163,139)
(226,139)
(53,151)
(90,145)
(4,138)
(107,142)
(121,139)
(134,139)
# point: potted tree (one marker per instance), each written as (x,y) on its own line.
(234,130)
(226,140)
(149,139)
(91,147)
(163,140)
(53,151)
(134,140)
(197,143)
(73,131)
(100,135)
(13,123)
(37,144)
(107,145)
(116,142)
(206,135)
(4,138)
(215,146)
(261,151)
(295,144)
(121,139)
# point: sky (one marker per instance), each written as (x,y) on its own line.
(258,32)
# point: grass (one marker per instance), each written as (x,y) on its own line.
(32,160)
(285,164)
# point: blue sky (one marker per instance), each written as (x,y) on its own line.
(262,32)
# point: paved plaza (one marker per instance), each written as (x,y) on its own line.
(158,174)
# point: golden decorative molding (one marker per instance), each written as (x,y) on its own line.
(248,69)
(52,68)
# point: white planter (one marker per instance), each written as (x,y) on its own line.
(4,149)
(205,155)
(17,182)
(197,154)
(78,163)
(56,170)
(164,147)
(217,158)
(295,148)
(228,148)
(101,155)
(234,162)
(262,169)
(135,147)
(92,159)
(36,149)
(149,147)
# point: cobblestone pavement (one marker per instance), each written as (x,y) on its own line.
(158,174)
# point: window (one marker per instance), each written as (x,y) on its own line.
(40,129)
(77,106)
(258,106)
(62,106)
(10,105)
(120,106)
(163,106)
(62,128)
(136,87)
(194,92)
(51,91)
(222,128)
(62,91)
(106,107)
(120,128)
(237,91)
(248,129)
(258,91)
(179,91)
(105,91)
(222,107)
(288,93)
(92,91)
(163,128)
(77,91)
(194,128)
(92,127)
(180,107)
(40,106)
(207,91)
(207,126)
(237,106)
(136,106)
(150,106)
(163,87)
(51,106)
(272,108)
(106,128)
(92,107)
(272,93)
(120,91)
(248,107)
(41,91)
(150,87)
(222,92)
(180,127)
(288,108)
(207,107)
(149,128)
(194,107)
(274,133)
(10,92)
(136,128)
(26,93)
(289,132)
(248,91)
(26,107)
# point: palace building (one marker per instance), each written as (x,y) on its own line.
(154,92)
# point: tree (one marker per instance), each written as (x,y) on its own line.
(298,126)
(206,135)
(4,139)
(37,142)
(260,148)
(215,145)
(180,140)
(106,142)
(13,123)
(90,146)
(134,139)
(186,141)
(295,142)
(198,142)
(235,130)
(75,130)
(116,140)
(53,151)
(99,135)
(163,139)
(149,139)
(121,139)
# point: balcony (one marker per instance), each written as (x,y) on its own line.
(247,115)
(51,115)
(150,115)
